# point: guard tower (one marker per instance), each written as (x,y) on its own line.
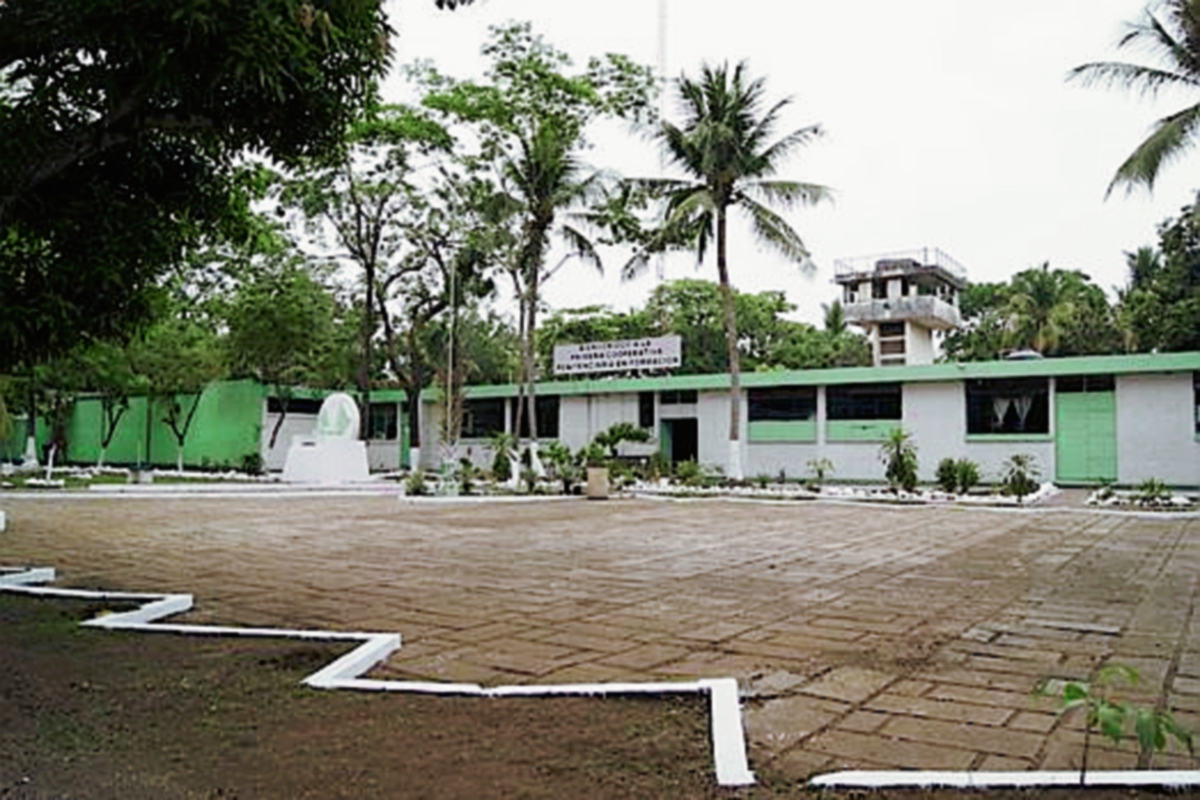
(905,301)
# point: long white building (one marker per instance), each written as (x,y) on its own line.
(1085,420)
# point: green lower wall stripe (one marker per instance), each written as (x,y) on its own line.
(859,430)
(782,431)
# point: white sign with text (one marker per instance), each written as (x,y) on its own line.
(662,352)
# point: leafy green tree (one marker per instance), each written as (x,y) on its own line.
(281,332)
(449,251)
(530,117)
(694,310)
(178,359)
(1052,311)
(1160,306)
(725,145)
(1169,31)
(352,206)
(119,132)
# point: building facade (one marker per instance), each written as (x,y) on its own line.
(1086,420)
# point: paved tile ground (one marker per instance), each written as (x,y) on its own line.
(862,637)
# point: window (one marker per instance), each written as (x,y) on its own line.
(681,397)
(1084,383)
(1017,405)
(1196,398)
(783,403)
(547,417)
(646,410)
(295,405)
(383,422)
(891,329)
(891,347)
(482,418)
(868,401)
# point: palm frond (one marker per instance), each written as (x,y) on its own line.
(1135,77)
(1172,137)
(774,230)
(776,153)
(579,246)
(787,194)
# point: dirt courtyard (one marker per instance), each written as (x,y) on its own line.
(861,637)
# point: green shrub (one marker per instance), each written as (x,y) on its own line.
(819,468)
(467,474)
(1152,492)
(968,475)
(620,432)
(658,466)
(503,445)
(415,485)
(899,455)
(687,472)
(1020,476)
(763,480)
(252,464)
(947,475)
(562,464)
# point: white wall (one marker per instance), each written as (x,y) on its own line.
(293,425)
(1156,429)
(919,347)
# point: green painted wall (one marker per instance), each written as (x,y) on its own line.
(1086,436)
(859,430)
(227,427)
(782,431)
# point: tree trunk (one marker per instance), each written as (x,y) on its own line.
(734,470)
(179,458)
(530,367)
(283,404)
(364,368)
(520,409)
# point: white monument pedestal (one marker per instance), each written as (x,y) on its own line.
(311,459)
(331,454)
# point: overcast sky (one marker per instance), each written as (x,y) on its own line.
(949,124)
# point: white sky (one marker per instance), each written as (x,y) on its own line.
(949,124)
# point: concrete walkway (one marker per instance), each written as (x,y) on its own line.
(861,636)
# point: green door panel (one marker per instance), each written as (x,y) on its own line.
(1086,436)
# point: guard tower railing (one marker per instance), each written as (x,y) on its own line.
(923,256)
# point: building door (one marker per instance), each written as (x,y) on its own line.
(681,439)
(1085,429)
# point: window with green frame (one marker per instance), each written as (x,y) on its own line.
(384,422)
(1008,406)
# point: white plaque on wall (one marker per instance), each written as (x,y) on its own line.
(662,352)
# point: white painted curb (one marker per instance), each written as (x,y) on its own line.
(728,739)
(982,780)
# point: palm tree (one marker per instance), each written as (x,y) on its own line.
(724,145)
(544,181)
(1170,31)
(1042,306)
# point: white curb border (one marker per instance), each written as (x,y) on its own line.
(728,738)
(1172,779)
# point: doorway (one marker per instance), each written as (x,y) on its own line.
(1085,429)
(680,439)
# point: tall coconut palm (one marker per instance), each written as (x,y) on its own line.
(724,145)
(1169,31)
(544,182)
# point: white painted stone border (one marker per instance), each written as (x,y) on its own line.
(1173,779)
(728,738)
